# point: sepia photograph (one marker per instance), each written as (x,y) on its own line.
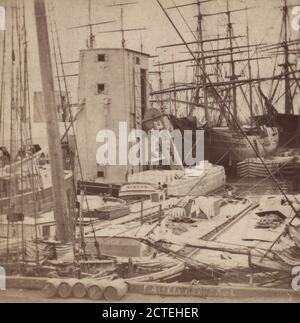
(149,154)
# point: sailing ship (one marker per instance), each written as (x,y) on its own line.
(286,52)
(31,186)
(25,183)
(228,141)
(161,237)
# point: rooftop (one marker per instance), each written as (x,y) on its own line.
(115,49)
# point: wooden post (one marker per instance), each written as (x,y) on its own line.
(61,212)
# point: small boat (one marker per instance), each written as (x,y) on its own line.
(195,181)
(135,191)
(27,185)
(222,142)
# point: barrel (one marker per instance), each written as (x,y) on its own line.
(115,290)
(65,288)
(51,287)
(79,289)
(95,291)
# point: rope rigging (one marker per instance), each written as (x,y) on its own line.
(68,102)
(23,170)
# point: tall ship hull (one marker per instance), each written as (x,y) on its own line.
(289,126)
(222,145)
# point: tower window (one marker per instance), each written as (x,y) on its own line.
(101,88)
(137,61)
(100,174)
(101,57)
(101,171)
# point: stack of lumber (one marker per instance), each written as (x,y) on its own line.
(254,167)
(111,212)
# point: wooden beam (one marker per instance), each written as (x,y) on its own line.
(197,42)
(205,57)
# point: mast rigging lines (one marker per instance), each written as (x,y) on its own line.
(68,103)
(236,123)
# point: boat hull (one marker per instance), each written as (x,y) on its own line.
(288,125)
(31,203)
(178,184)
(212,180)
(223,146)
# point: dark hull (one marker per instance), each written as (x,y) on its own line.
(223,147)
(226,148)
(289,126)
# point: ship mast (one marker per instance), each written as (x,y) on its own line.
(174,85)
(91,36)
(250,72)
(122,29)
(91,42)
(201,56)
(286,66)
(61,211)
(233,77)
(226,107)
(2,88)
